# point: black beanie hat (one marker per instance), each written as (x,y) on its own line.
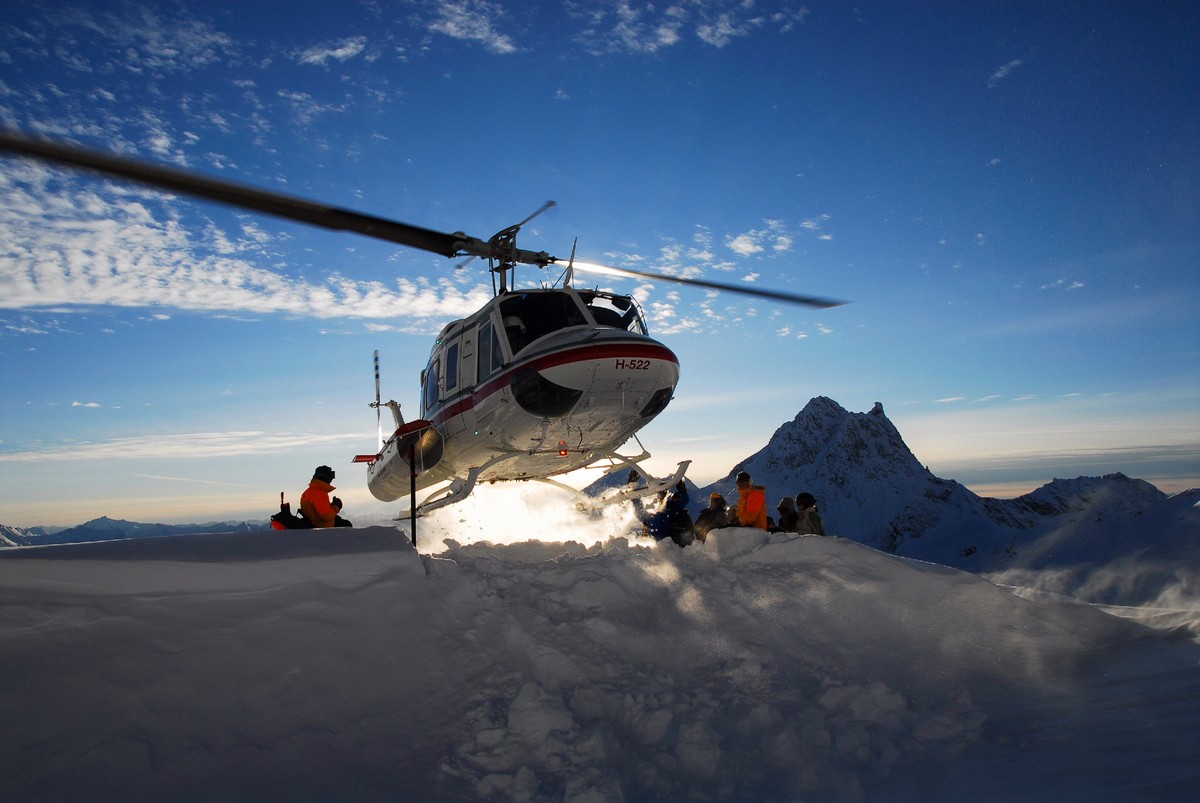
(324,473)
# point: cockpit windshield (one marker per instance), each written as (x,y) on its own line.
(619,312)
(531,315)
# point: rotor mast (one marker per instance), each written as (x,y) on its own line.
(502,253)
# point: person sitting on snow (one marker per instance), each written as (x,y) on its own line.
(789,519)
(713,517)
(751,504)
(315,504)
(808,520)
(671,519)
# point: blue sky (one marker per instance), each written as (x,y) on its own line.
(1009,194)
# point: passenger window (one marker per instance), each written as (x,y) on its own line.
(452,368)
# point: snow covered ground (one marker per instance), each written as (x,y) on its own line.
(345,665)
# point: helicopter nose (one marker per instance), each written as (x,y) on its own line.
(626,380)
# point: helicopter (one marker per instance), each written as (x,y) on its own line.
(537,383)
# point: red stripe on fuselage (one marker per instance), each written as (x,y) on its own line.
(553,359)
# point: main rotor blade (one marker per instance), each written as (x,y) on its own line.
(240,195)
(774,295)
(337,219)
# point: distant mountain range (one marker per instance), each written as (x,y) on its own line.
(1104,539)
(106,529)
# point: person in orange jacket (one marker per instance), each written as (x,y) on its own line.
(315,503)
(752,503)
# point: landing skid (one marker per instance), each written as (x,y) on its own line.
(461,487)
(652,487)
(653,484)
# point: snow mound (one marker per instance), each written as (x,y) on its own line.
(344,665)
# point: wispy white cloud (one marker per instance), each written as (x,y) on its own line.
(473,21)
(745,244)
(773,236)
(26,325)
(1003,72)
(725,27)
(68,244)
(304,107)
(1063,284)
(342,50)
(191,445)
(147,39)
(623,27)
(635,31)
(193,480)
(745,252)
(1038,439)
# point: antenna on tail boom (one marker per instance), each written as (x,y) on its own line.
(378,419)
(378,404)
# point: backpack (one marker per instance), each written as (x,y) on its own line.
(286,520)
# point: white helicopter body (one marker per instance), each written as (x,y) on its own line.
(536,384)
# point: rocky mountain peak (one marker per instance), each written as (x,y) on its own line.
(827,447)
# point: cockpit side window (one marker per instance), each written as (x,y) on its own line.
(451,368)
(619,312)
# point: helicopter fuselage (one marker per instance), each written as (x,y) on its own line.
(535,384)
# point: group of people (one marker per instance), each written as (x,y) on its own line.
(670,519)
(798,515)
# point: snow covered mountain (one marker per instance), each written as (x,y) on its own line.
(11,536)
(869,485)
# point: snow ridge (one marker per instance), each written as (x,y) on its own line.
(342,664)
